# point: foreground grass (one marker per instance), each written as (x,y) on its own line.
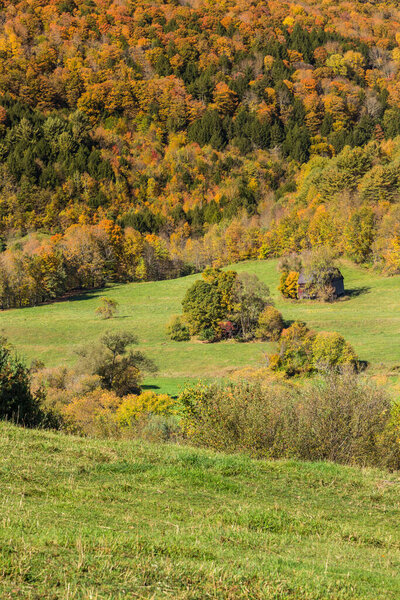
(370,320)
(89,519)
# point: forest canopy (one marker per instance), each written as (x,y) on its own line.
(194,133)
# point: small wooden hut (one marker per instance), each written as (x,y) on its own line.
(306,284)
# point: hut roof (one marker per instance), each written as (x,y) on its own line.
(304,279)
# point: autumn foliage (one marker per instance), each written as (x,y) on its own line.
(144,140)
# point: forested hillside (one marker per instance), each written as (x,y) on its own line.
(144,140)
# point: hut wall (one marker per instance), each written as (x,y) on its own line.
(338,284)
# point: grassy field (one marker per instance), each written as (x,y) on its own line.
(96,520)
(370,320)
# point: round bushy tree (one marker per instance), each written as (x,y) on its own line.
(118,367)
(177,330)
(270,324)
(330,349)
(107,308)
(203,307)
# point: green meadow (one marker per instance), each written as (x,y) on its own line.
(369,319)
(86,519)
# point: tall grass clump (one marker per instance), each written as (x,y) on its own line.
(339,417)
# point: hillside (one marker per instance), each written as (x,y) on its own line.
(369,319)
(95,99)
(108,520)
(141,141)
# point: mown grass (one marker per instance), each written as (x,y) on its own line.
(94,519)
(369,319)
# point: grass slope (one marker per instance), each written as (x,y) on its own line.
(370,320)
(93,519)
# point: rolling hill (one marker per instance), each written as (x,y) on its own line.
(95,519)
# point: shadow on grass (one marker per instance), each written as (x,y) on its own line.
(74,296)
(150,387)
(362,365)
(356,292)
(77,295)
(289,322)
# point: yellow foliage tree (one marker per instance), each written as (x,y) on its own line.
(225,99)
(134,408)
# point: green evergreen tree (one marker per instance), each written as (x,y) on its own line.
(17,402)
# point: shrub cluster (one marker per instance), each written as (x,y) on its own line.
(103,413)
(102,394)
(303,351)
(337,417)
(107,308)
(225,305)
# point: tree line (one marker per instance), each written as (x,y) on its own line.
(85,257)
